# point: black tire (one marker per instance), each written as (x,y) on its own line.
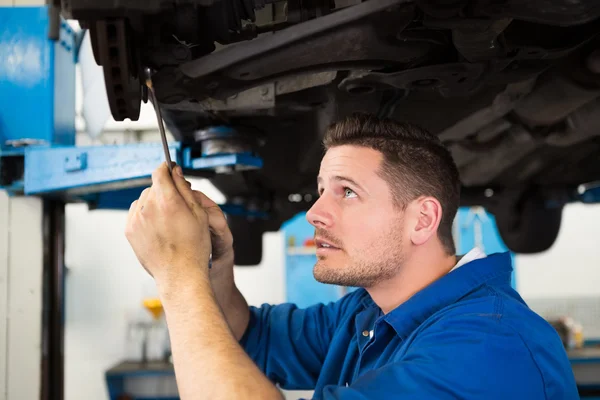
(247,240)
(530,226)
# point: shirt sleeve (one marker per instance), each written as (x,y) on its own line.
(289,344)
(469,357)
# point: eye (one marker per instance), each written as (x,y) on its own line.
(349,192)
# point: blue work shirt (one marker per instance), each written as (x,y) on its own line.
(468,335)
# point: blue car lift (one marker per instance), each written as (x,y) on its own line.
(39,160)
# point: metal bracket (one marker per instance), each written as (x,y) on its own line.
(222,163)
(78,170)
(111,177)
(81,170)
(448,79)
(76,162)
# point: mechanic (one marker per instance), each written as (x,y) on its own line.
(423,323)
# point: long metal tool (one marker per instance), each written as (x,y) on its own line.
(161,124)
(161,127)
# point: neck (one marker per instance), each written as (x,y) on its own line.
(423,267)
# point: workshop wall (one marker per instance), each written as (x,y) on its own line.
(564,281)
(571,268)
(21,3)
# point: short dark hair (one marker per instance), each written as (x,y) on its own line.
(415,163)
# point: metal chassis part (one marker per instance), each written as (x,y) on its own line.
(242,66)
(84,9)
(449,79)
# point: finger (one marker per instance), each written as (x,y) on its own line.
(204,199)
(216,216)
(162,182)
(185,191)
(212,209)
(220,233)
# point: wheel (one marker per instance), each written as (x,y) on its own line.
(530,226)
(114,50)
(247,240)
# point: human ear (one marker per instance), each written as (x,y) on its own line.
(428,215)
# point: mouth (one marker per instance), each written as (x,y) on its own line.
(325,246)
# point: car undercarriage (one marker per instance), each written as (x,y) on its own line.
(511,87)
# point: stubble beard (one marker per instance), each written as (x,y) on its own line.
(365,270)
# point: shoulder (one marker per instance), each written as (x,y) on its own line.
(496,334)
(494,311)
(495,308)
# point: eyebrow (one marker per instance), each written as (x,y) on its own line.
(340,178)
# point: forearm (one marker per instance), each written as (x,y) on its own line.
(236,312)
(204,350)
(232,302)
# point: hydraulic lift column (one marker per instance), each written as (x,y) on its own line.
(53,300)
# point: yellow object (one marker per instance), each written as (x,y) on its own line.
(579,339)
(154,306)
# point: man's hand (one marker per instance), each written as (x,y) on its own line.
(168,229)
(229,298)
(221,238)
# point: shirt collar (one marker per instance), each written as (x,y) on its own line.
(447,290)
(475,254)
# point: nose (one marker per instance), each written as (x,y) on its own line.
(319,214)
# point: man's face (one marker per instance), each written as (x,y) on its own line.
(358,229)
